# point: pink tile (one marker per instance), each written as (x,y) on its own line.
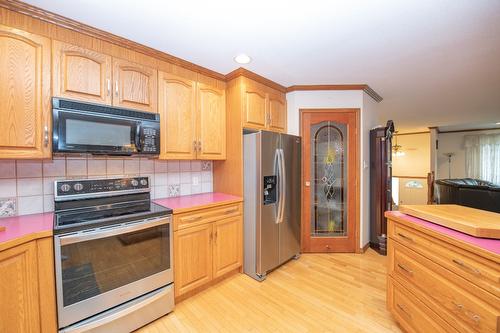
(28,168)
(29,187)
(54,168)
(7,169)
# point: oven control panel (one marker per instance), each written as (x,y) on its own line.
(90,187)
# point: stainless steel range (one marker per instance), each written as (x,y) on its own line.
(113,255)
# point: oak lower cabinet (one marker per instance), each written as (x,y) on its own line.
(438,283)
(27,288)
(24,95)
(193,119)
(83,74)
(262,107)
(207,245)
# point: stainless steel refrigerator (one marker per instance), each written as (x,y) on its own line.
(272,201)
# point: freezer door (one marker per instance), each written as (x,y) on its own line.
(267,228)
(289,228)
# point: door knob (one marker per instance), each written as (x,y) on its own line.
(308,184)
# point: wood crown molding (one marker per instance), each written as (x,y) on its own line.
(411,133)
(70,24)
(256,77)
(61,21)
(366,88)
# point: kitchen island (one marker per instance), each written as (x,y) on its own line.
(440,279)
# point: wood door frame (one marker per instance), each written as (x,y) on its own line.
(357,207)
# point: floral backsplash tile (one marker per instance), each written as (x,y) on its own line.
(27,186)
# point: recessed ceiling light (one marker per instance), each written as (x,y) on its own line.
(498,123)
(242,59)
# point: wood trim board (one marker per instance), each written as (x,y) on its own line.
(256,77)
(366,88)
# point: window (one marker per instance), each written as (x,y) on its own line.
(482,157)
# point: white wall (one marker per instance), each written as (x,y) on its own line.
(454,143)
(341,99)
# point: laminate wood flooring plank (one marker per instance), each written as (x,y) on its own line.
(316,293)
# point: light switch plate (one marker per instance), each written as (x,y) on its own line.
(196,181)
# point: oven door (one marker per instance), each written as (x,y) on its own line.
(104,267)
(82,132)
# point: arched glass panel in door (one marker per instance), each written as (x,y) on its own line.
(329,175)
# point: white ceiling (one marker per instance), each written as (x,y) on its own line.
(434,62)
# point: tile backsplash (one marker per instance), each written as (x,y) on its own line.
(27,186)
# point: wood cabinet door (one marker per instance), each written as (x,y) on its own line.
(19,289)
(277,113)
(177,107)
(193,258)
(211,122)
(254,106)
(24,94)
(135,86)
(81,73)
(228,245)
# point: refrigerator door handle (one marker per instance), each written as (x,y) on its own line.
(282,184)
(277,168)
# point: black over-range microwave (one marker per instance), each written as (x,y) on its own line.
(80,127)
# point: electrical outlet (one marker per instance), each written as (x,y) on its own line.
(196,181)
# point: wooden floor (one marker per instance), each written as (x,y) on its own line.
(316,293)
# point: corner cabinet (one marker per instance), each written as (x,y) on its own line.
(263,108)
(24,95)
(207,245)
(87,75)
(193,119)
(27,288)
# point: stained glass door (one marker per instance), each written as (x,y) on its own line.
(329,139)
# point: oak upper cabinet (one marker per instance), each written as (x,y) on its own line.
(80,73)
(19,289)
(135,86)
(254,106)
(193,119)
(177,108)
(211,123)
(24,94)
(193,258)
(263,107)
(228,245)
(277,112)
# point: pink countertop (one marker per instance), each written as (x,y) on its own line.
(196,201)
(488,244)
(30,226)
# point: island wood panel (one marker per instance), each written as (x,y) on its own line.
(177,108)
(474,222)
(193,258)
(24,94)
(80,73)
(228,245)
(19,290)
(211,121)
(277,113)
(135,86)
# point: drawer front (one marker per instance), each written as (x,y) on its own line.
(458,301)
(411,313)
(198,217)
(478,270)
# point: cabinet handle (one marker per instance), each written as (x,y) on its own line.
(476,318)
(199,145)
(46,135)
(116,88)
(109,86)
(211,237)
(402,308)
(405,237)
(229,211)
(195,145)
(195,218)
(458,305)
(215,237)
(464,266)
(404,268)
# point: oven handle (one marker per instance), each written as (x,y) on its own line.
(112,231)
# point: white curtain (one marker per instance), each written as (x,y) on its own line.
(482,157)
